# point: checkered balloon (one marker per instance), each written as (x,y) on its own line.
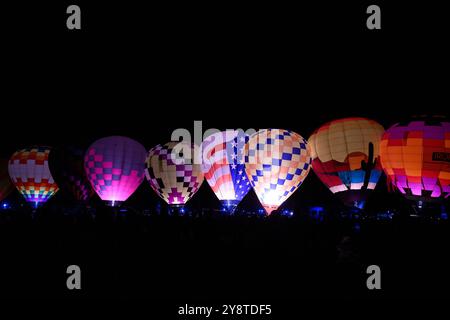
(415,156)
(115,167)
(223,166)
(276,161)
(171,172)
(28,169)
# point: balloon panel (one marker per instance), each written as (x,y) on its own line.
(66,166)
(115,167)
(338,149)
(173,176)
(28,169)
(223,164)
(276,161)
(6,186)
(415,157)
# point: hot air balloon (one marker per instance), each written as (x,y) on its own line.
(223,166)
(276,162)
(115,167)
(415,156)
(6,186)
(345,155)
(172,173)
(28,169)
(67,167)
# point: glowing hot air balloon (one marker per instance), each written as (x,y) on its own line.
(223,166)
(6,186)
(171,172)
(276,161)
(115,167)
(415,156)
(28,169)
(345,155)
(67,167)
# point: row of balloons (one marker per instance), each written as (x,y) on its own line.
(348,155)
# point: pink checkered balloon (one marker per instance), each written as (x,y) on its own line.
(115,167)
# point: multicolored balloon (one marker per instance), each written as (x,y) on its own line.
(28,169)
(6,186)
(415,156)
(223,166)
(115,167)
(67,167)
(345,155)
(276,161)
(173,174)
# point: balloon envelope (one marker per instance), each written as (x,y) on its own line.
(276,161)
(67,167)
(223,166)
(172,174)
(6,185)
(415,156)
(28,169)
(115,167)
(345,155)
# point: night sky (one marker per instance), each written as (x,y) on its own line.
(246,68)
(161,68)
(142,72)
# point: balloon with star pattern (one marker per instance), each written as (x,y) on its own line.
(224,168)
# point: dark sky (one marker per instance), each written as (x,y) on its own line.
(143,72)
(143,68)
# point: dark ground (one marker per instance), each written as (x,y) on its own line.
(217,258)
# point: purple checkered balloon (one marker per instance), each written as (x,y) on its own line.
(115,167)
(172,174)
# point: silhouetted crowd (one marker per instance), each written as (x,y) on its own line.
(127,253)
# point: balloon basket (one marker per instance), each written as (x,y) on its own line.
(35,204)
(114,203)
(228,207)
(269,209)
(178,210)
